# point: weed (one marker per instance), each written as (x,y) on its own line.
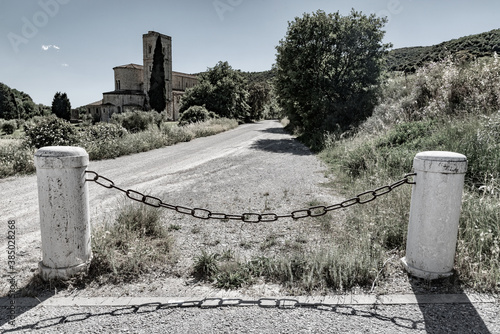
(231,275)
(174,227)
(270,241)
(196,230)
(136,243)
(205,266)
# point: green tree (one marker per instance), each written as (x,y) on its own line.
(259,95)
(327,70)
(8,103)
(157,90)
(221,90)
(61,107)
(15,104)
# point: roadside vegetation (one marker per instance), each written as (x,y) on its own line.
(445,106)
(101,140)
(136,243)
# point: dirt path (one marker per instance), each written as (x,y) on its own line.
(254,168)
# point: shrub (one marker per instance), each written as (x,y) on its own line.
(15,158)
(103,131)
(8,127)
(50,131)
(195,114)
(406,133)
(135,121)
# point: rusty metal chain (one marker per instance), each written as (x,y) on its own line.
(315,211)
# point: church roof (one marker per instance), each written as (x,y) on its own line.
(132,66)
(97,103)
(184,75)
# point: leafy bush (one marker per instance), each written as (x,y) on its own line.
(15,158)
(103,131)
(135,121)
(8,127)
(195,114)
(406,133)
(176,134)
(50,131)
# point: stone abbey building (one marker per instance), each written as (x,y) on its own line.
(132,83)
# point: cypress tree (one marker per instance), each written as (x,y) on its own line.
(61,106)
(157,89)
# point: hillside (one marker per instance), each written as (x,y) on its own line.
(411,58)
(464,48)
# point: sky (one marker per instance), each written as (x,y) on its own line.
(71,46)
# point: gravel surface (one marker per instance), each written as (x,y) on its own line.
(254,168)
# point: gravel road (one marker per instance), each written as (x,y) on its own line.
(254,168)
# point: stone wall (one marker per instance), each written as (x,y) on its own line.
(129,77)
(182,81)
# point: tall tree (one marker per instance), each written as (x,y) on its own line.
(8,104)
(221,89)
(157,89)
(327,70)
(259,95)
(61,106)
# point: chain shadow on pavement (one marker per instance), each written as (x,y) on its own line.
(343,310)
(449,317)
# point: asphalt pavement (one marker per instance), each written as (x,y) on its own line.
(445,313)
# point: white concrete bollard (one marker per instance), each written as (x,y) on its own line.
(64,211)
(434,214)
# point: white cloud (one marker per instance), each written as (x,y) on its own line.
(47,47)
(65,65)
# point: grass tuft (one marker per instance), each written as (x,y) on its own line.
(136,243)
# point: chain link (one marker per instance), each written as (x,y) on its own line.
(315,211)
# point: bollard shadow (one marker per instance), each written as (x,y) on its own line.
(446,317)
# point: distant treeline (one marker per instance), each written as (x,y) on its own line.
(15,104)
(465,49)
(409,59)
